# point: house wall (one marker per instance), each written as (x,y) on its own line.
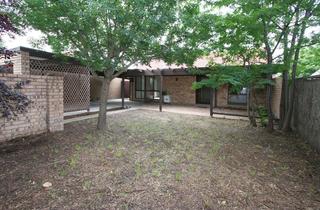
(114,89)
(223,95)
(179,87)
(45,113)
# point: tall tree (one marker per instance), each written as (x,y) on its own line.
(309,61)
(110,36)
(251,23)
(306,15)
(238,45)
(282,26)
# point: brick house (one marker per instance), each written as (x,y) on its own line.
(145,85)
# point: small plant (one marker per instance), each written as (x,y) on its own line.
(178,176)
(252,172)
(73,161)
(263,115)
(89,137)
(156,173)
(62,172)
(138,169)
(11,101)
(86,185)
(110,146)
(215,148)
(119,154)
(78,147)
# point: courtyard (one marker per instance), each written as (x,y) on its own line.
(152,160)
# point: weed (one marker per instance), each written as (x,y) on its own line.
(188,156)
(89,137)
(156,173)
(252,172)
(178,176)
(78,147)
(62,172)
(86,185)
(215,148)
(110,146)
(73,161)
(118,154)
(138,169)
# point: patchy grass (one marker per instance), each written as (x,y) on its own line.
(152,160)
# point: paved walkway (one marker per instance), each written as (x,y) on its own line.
(112,104)
(130,105)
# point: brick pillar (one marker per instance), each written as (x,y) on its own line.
(21,63)
(55,103)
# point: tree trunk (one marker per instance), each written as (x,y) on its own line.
(269,77)
(251,108)
(285,80)
(284,97)
(248,104)
(269,106)
(102,119)
(288,117)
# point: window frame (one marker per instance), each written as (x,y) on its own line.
(239,94)
(144,89)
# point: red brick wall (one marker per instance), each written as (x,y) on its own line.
(179,87)
(222,98)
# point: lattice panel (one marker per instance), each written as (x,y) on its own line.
(76,82)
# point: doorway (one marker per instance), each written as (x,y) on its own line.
(202,94)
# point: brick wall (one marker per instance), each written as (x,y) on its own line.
(222,98)
(179,87)
(44,114)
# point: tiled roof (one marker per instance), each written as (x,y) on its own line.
(161,65)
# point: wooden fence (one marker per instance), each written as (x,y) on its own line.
(307,110)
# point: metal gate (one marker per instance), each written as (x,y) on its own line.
(76,82)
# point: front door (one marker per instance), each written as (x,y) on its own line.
(202,94)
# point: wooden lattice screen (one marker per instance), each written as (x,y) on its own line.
(76,82)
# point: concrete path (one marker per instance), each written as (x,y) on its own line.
(190,110)
(112,104)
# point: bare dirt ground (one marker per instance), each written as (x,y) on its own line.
(152,160)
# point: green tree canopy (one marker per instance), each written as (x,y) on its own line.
(309,61)
(111,35)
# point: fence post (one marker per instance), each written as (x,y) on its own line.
(161,89)
(211,102)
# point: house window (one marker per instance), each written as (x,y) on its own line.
(139,89)
(147,87)
(237,98)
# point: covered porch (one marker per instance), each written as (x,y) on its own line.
(154,87)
